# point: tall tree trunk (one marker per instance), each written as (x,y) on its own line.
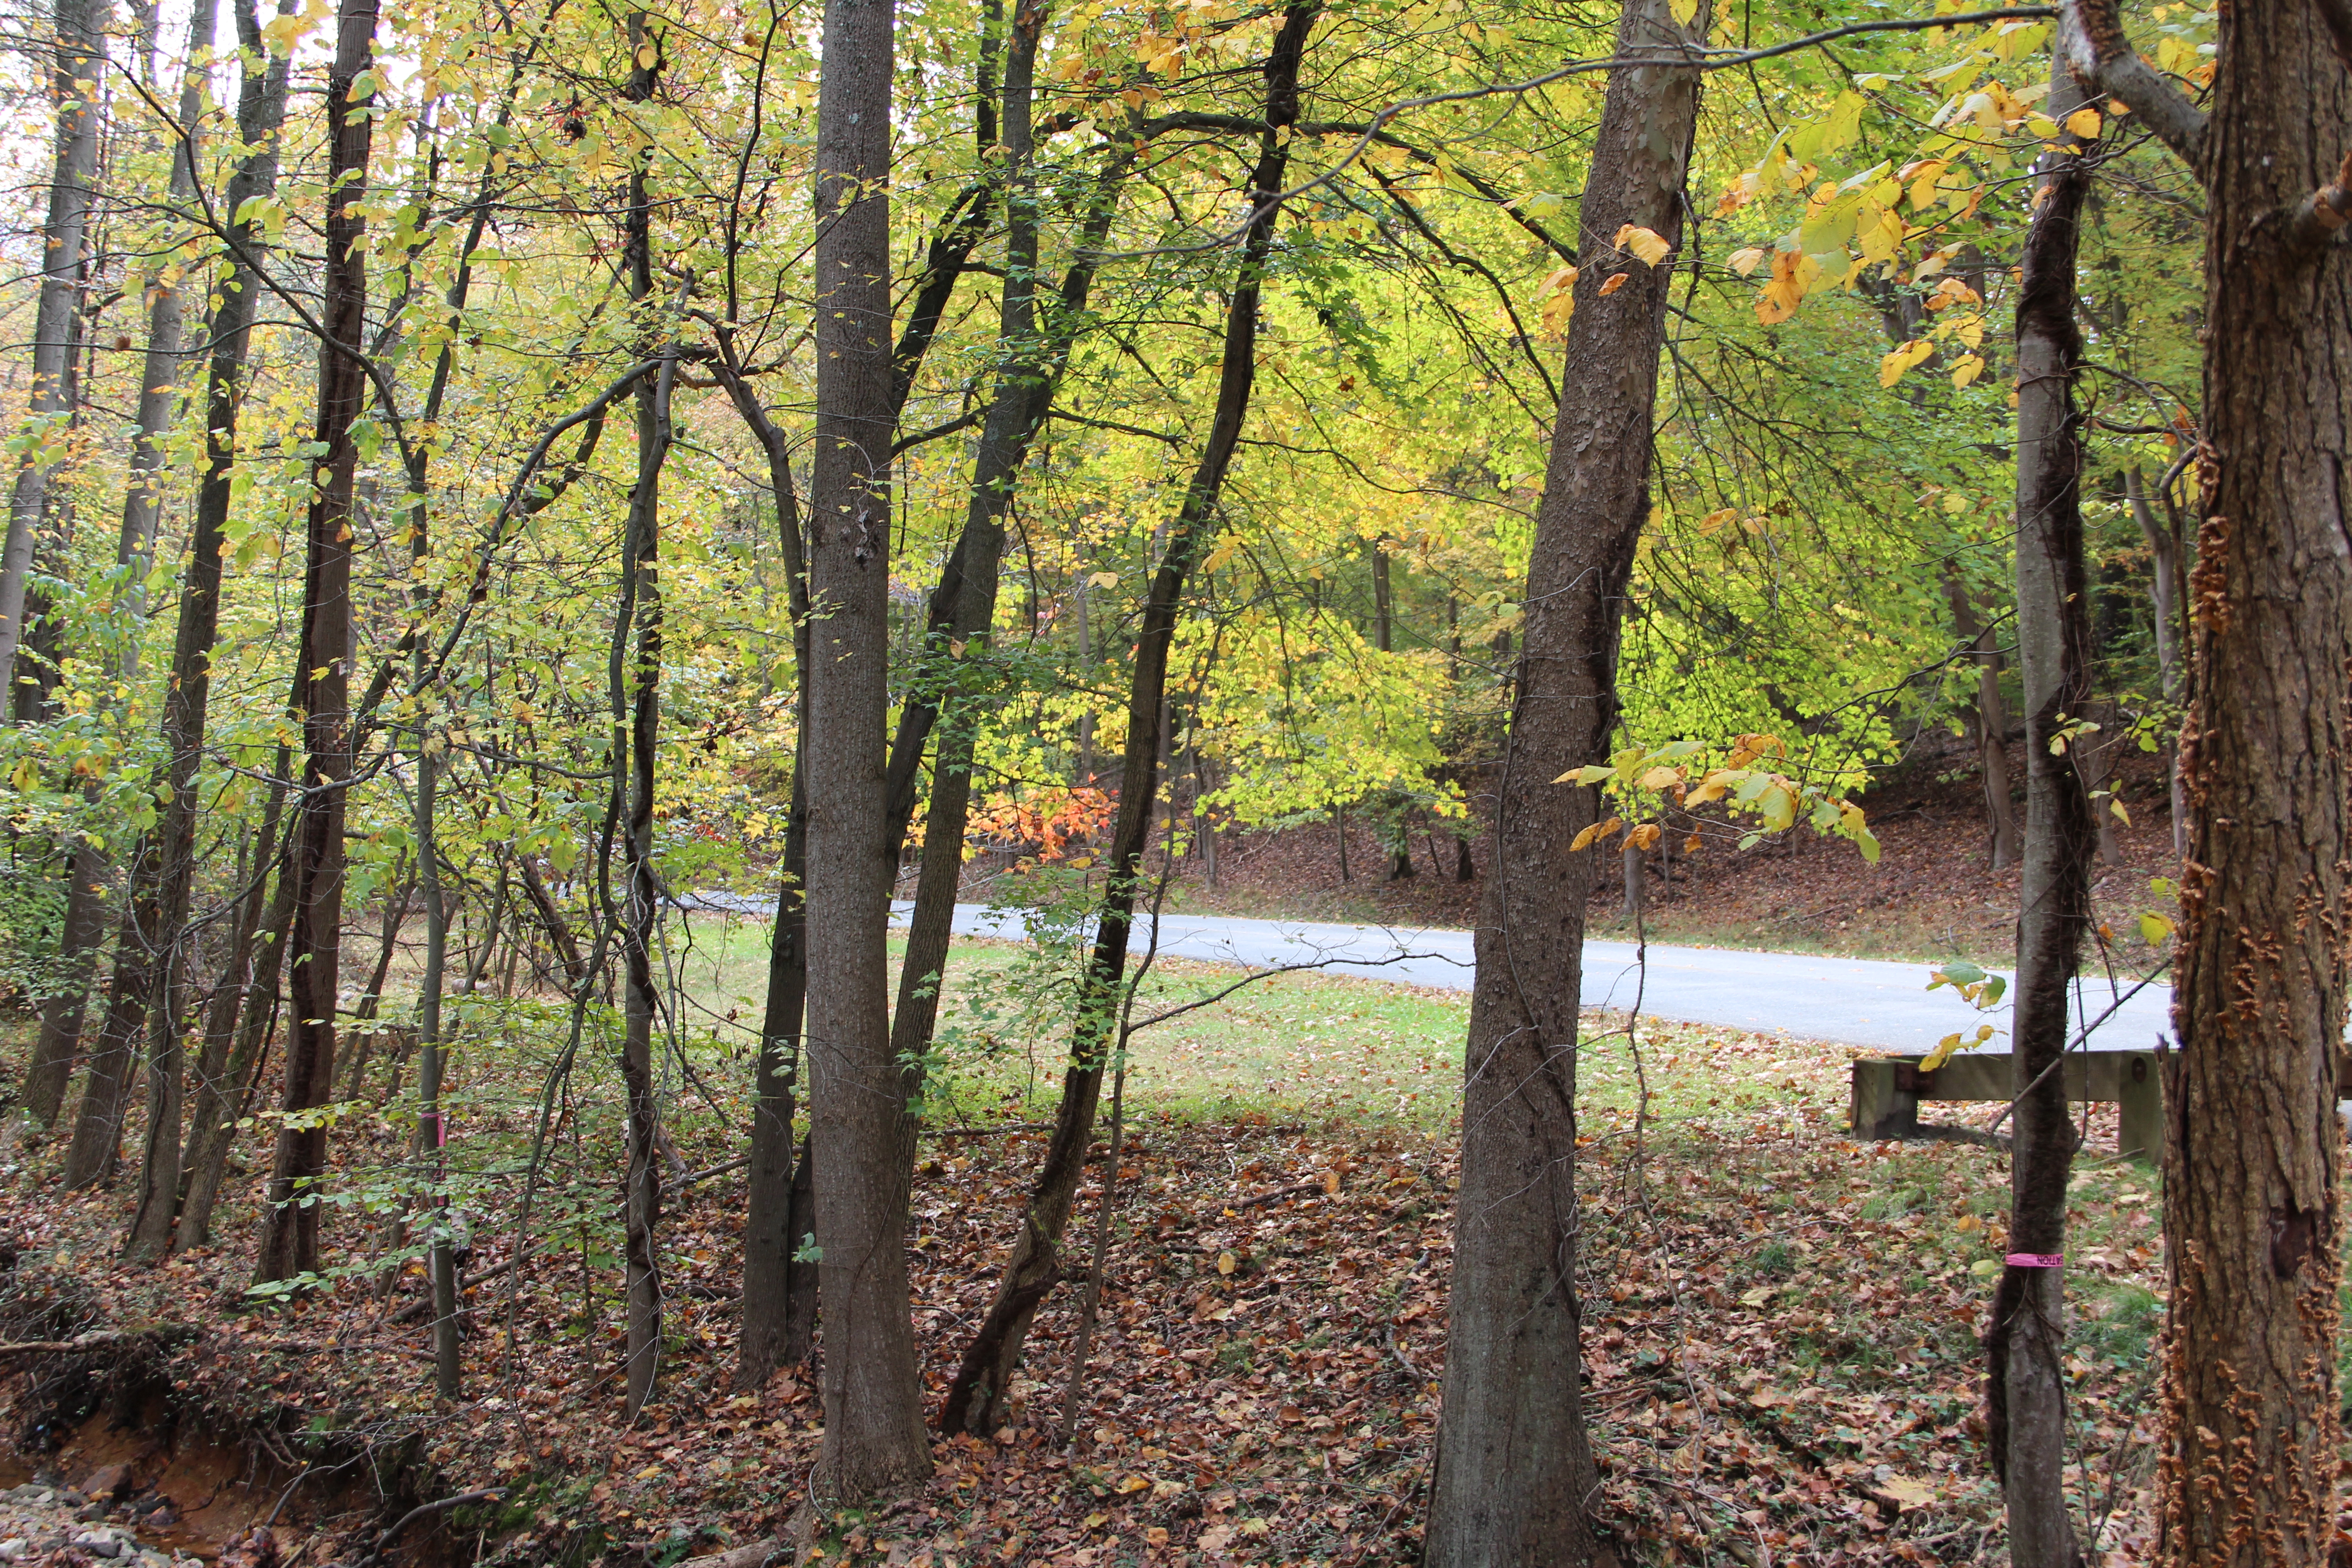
(289,1238)
(1513,1467)
(2255,1148)
(2164,601)
(873,1396)
(1991,723)
(977,1399)
(261,110)
(2024,1348)
(76,67)
(638,700)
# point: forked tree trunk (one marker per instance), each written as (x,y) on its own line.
(2024,1349)
(977,1398)
(873,1396)
(290,1237)
(1513,1471)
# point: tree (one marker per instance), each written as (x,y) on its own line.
(2024,1349)
(1513,1466)
(314,850)
(874,1434)
(76,62)
(976,1400)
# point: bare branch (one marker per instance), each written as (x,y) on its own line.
(2100,53)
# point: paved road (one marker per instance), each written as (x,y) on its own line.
(1852,1001)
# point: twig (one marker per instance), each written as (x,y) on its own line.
(405,1520)
(1403,1360)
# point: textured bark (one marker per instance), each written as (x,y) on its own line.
(872,1397)
(1513,1467)
(977,1399)
(2164,602)
(2025,1344)
(76,65)
(50,1069)
(2253,1145)
(290,1237)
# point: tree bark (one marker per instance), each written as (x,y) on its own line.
(289,1238)
(74,68)
(636,701)
(873,1396)
(51,1066)
(977,1398)
(2164,601)
(1513,1467)
(2253,1145)
(2025,1381)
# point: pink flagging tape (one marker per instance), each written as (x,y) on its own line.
(2035,1259)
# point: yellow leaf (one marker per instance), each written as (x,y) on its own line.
(1745,261)
(1227,1263)
(2154,928)
(1755,1298)
(1684,10)
(2118,807)
(1905,1492)
(1102,580)
(1134,1484)
(1941,1054)
(1611,284)
(1892,364)
(1584,839)
(2083,123)
(1661,778)
(1691,844)
(1644,836)
(1966,371)
(1647,243)
(1713,521)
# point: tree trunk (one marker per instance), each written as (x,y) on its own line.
(977,1398)
(873,1396)
(2025,1381)
(289,1238)
(1513,1467)
(75,70)
(2164,600)
(161,909)
(1383,606)
(1991,723)
(637,699)
(2254,1147)
(51,1066)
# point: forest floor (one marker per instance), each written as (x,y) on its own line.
(1780,1329)
(1933,895)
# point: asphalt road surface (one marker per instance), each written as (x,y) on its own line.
(1852,1001)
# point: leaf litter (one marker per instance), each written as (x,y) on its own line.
(1781,1339)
